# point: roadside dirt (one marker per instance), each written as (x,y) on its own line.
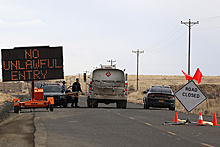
(17,130)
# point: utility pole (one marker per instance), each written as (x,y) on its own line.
(111,61)
(189,24)
(137,52)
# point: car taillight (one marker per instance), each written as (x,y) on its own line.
(171,97)
(150,95)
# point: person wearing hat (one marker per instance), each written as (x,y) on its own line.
(64,86)
(76,88)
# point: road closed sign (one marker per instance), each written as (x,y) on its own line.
(190,96)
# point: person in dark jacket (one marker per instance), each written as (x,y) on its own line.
(64,86)
(76,87)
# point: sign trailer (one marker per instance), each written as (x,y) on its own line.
(29,64)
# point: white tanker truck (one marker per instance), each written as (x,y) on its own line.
(107,85)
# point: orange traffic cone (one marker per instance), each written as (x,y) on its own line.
(200,122)
(176,118)
(214,120)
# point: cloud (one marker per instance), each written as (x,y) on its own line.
(33,22)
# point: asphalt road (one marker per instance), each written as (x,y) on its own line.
(109,126)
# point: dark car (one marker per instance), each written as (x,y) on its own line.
(56,91)
(159,96)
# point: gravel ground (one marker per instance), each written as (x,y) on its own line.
(7,108)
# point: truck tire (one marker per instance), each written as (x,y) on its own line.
(89,105)
(95,103)
(121,104)
(51,107)
(16,109)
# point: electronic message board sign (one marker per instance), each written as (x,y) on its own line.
(32,63)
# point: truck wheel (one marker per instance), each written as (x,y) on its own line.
(89,105)
(51,107)
(16,109)
(95,103)
(121,104)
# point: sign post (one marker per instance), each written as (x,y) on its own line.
(190,96)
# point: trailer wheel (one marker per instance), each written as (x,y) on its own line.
(16,109)
(51,107)
(121,104)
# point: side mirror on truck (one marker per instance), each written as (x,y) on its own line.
(126,77)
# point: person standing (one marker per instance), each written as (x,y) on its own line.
(76,87)
(64,86)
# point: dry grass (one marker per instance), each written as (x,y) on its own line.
(210,86)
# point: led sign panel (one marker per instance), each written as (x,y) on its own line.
(32,63)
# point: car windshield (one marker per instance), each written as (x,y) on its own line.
(52,89)
(161,90)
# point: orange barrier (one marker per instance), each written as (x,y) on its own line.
(176,118)
(214,120)
(200,121)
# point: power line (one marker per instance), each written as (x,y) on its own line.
(210,18)
(163,48)
(137,52)
(165,38)
(189,24)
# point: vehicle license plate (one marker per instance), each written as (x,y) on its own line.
(161,101)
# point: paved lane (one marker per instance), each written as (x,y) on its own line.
(108,126)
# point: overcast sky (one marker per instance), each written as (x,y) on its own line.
(94,31)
